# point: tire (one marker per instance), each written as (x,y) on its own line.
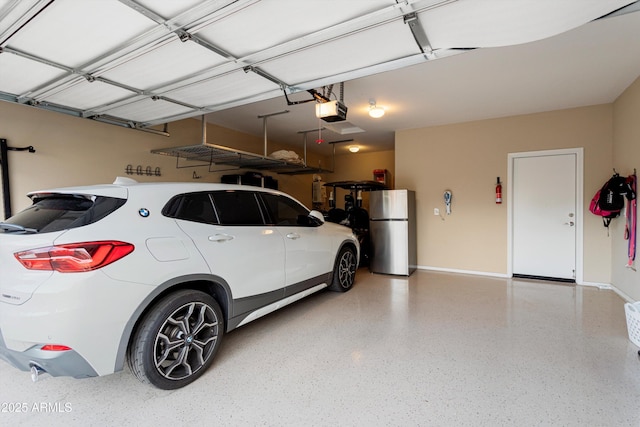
(176,340)
(344,272)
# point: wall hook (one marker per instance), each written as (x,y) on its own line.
(29,149)
(140,170)
(4,165)
(196,176)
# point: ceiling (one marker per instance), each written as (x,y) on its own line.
(144,63)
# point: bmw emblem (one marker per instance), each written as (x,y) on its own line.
(143,212)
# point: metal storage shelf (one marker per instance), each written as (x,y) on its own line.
(212,155)
(358,185)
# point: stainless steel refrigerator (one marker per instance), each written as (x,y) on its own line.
(392,228)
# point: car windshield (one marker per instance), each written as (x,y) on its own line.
(60,212)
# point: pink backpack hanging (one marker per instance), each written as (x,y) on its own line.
(594,208)
(608,202)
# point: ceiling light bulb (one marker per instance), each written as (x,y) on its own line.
(375,111)
(354,148)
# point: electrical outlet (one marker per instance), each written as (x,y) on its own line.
(436,211)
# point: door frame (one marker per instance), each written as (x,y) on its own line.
(579,153)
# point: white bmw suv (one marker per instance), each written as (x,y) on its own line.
(155,274)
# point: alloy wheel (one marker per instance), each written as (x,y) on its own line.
(347,269)
(186,340)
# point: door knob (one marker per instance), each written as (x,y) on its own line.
(570,223)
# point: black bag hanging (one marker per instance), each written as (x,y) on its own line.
(608,202)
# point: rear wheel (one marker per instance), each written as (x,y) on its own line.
(344,272)
(177,340)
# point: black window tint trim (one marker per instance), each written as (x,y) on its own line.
(174,206)
(256,197)
(93,209)
(267,213)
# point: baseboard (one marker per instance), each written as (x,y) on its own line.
(603,286)
(597,285)
(622,295)
(455,270)
(608,287)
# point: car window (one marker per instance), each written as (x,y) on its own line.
(61,212)
(237,208)
(194,207)
(285,211)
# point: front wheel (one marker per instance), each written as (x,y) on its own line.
(344,272)
(176,341)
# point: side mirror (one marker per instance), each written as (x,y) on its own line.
(316,218)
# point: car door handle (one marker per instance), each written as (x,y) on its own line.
(293,236)
(220,238)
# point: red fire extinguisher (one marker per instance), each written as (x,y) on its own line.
(498,192)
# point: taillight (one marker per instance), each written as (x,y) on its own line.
(74,257)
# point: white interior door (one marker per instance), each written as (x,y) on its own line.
(544,215)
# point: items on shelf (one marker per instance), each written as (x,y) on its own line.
(251,178)
(286,155)
(219,158)
(382,176)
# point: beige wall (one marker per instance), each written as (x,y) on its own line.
(626,158)
(74,151)
(466,158)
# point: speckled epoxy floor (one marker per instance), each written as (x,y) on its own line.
(434,349)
